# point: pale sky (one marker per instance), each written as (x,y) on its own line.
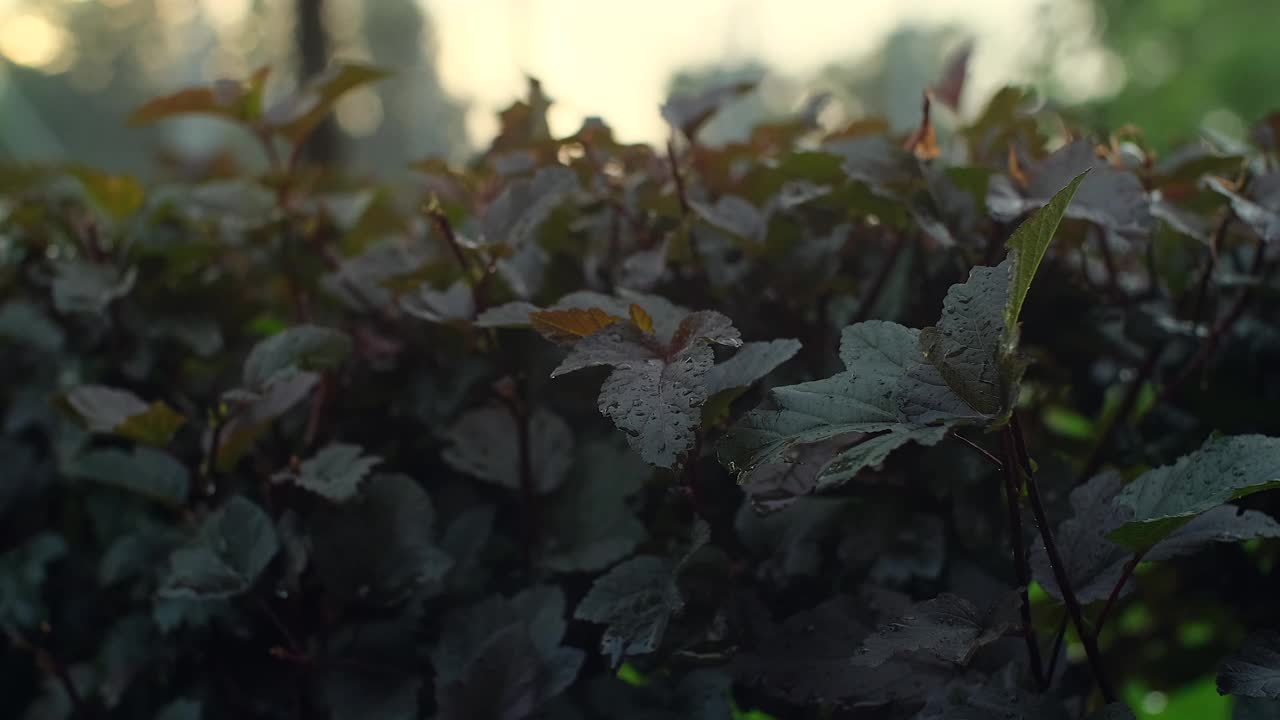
(613,57)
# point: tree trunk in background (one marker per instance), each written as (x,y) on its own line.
(322,148)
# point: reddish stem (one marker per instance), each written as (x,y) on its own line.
(1022,568)
(1060,572)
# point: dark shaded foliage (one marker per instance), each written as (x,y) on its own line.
(594,430)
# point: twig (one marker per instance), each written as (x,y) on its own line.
(1020,565)
(48,662)
(872,296)
(1115,592)
(685,210)
(1057,649)
(978,449)
(441,221)
(1206,272)
(279,625)
(269,148)
(1059,570)
(1221,328)
(210,469)
(318,406)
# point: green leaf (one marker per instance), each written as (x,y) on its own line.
(809,659)
(305,347)
(986,700)
(1260,209)
(1223,469)
(1255,709)
(119,412)
(25,324)
(88,288)
(590,523)
(146,471)
(655,392)
(334,472)
(966,344)
(887,386)
(22,575)
(513,218)
(1111,198)
(507,680)
(1255,670)
(1094,563)
(234,545)
(119,196)
(379,548)
(947,627)
(634,601)
(749,364)
(485,443)
(297,114)
(231,99)
(1027,246)
(735,216)
(253,412)
(481,642)
(689,112)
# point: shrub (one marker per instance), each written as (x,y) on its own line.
(967,424)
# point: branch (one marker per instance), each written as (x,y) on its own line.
(1057,648)
(1059,570)
(319,405)
(683,196)
(978,449)
(49,663)
(1115,592)
(1206,272)
(1221,328)
(442,224)
(1020,565)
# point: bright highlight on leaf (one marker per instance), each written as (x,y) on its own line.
(297,114)
(119,196)
(1027,246)
(641,318)
(570,324)
(231,99)
(1168,497)
(120,412)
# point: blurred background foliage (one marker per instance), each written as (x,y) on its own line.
(71,70)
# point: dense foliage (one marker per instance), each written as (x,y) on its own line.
(965,424)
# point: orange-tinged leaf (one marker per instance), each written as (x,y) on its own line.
(297,114)
(1015,169)
(926,147)
(191,101)
(641,318)
(155,426)
(118,195)
(570,324)
(923,142)
(231,99)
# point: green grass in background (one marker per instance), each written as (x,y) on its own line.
(1197,701)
